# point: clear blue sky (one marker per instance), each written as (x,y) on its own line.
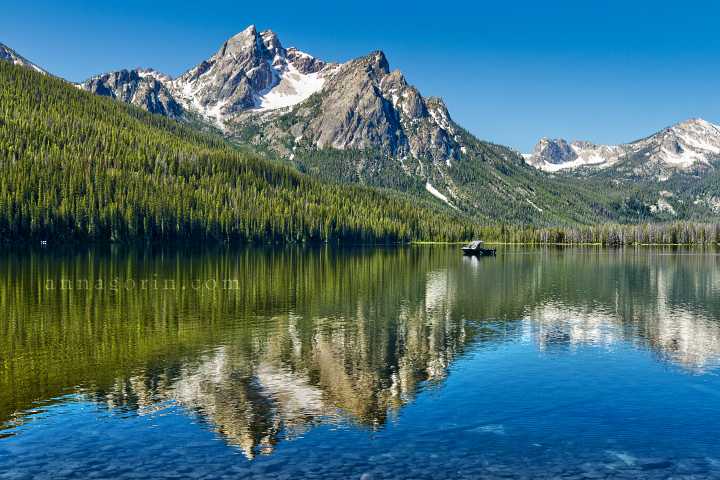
(510,72)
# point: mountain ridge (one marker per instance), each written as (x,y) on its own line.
(283,104)
(686,146)
(250,71)
(363,123)
(7,53)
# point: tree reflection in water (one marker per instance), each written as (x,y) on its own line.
(293,337)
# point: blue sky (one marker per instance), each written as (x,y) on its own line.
(510,72)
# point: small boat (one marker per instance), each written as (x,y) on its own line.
(476,248)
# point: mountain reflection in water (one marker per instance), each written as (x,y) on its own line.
(322,335)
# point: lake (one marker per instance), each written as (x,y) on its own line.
(359,362)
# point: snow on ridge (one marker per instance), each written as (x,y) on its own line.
(699,144)
(186,94)
(291,87)
(300,53)
(441,122)
(554,167)
(687,157)
(10,55)
(694,140)
(704,124)
(161,77)
(38,69)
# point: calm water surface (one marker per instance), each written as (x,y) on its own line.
(401,362)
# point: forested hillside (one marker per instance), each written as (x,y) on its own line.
(80,167)
(362,123)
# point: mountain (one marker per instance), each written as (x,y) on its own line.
(252,81)
(363,104)
(251,71)
(363,123)
(79,167)
(358,122)
(691,146)
(10,55)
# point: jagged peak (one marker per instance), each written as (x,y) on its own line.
(679,146)
(152,73)
(395,80)
(270,42)
(242,41)
(376,61)
(696,123)
(379,61)
(435,101)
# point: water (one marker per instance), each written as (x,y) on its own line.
(373,362)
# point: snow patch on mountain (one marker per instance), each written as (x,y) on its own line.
(435,192)
(531,203)
(290,88)
(554,167)
(685,157)
(160,77)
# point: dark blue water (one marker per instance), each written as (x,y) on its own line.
(371,363)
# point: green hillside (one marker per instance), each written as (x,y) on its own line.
(80,167)
(491,183)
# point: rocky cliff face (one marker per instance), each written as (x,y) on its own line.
(688,146)
(365,105)
(142,88)
(250,71)
(553,151)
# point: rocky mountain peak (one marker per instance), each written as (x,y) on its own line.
(395,80)
(555,151)
(378,62)
(142,88)
(695,127)
(235,45)
(252,71)
(304,63)
(253,78)
(366,105)
(149,72)
(271,45)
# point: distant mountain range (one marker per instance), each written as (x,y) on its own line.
(361,122)
(689,146)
